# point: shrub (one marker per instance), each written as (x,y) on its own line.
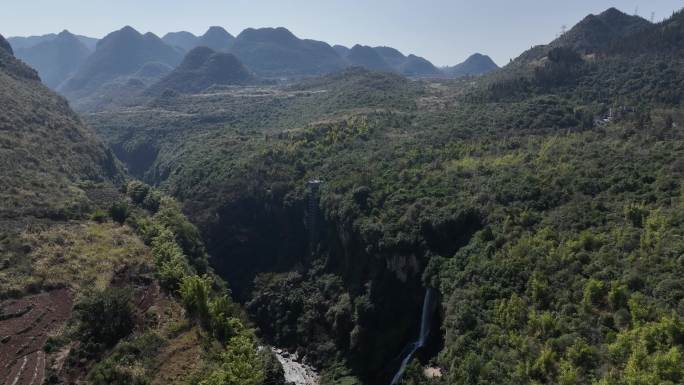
(635,213)
(172,272)
(185,233)
(222,324)
(119,211)
(241,364)
(594,293)
(538,289)
(130,363)
(152,201)
(137,191)
(105,316)
(194,291)
(581,354)
(99,216)
(618,296)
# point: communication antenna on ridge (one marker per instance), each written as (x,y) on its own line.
(636,11)
(652,17)
(564,29)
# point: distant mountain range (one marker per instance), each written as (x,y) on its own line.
(120,53)
(388,59)
(55,59)
(31,41)
(79,66)
(276,52)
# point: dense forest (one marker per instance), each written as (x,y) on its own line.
(542,202)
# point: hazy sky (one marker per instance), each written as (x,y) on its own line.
(443,31)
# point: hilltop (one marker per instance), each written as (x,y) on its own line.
(55,59)
(120,53)
(367,57)
(418,66)
(183,40)
(202,68)
(276,52)
(387,59)
(476,64)
(594,34)
(665,38)
(216,38)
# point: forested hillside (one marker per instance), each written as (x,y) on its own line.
(262,201)
(544,202)
(102,281)
(46,150)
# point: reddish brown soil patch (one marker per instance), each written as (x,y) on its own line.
(25,325)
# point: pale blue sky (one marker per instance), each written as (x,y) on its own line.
(443,31)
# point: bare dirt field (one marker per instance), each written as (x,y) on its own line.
(25,325)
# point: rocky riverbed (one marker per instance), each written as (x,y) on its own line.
(296,372)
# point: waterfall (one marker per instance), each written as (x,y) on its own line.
(425,321)
(313,187)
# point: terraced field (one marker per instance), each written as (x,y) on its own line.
(25,325)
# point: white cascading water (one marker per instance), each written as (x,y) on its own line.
(425,322)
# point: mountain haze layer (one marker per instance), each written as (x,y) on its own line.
(183,40)
(31,41)
(120,53)
(55,59)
